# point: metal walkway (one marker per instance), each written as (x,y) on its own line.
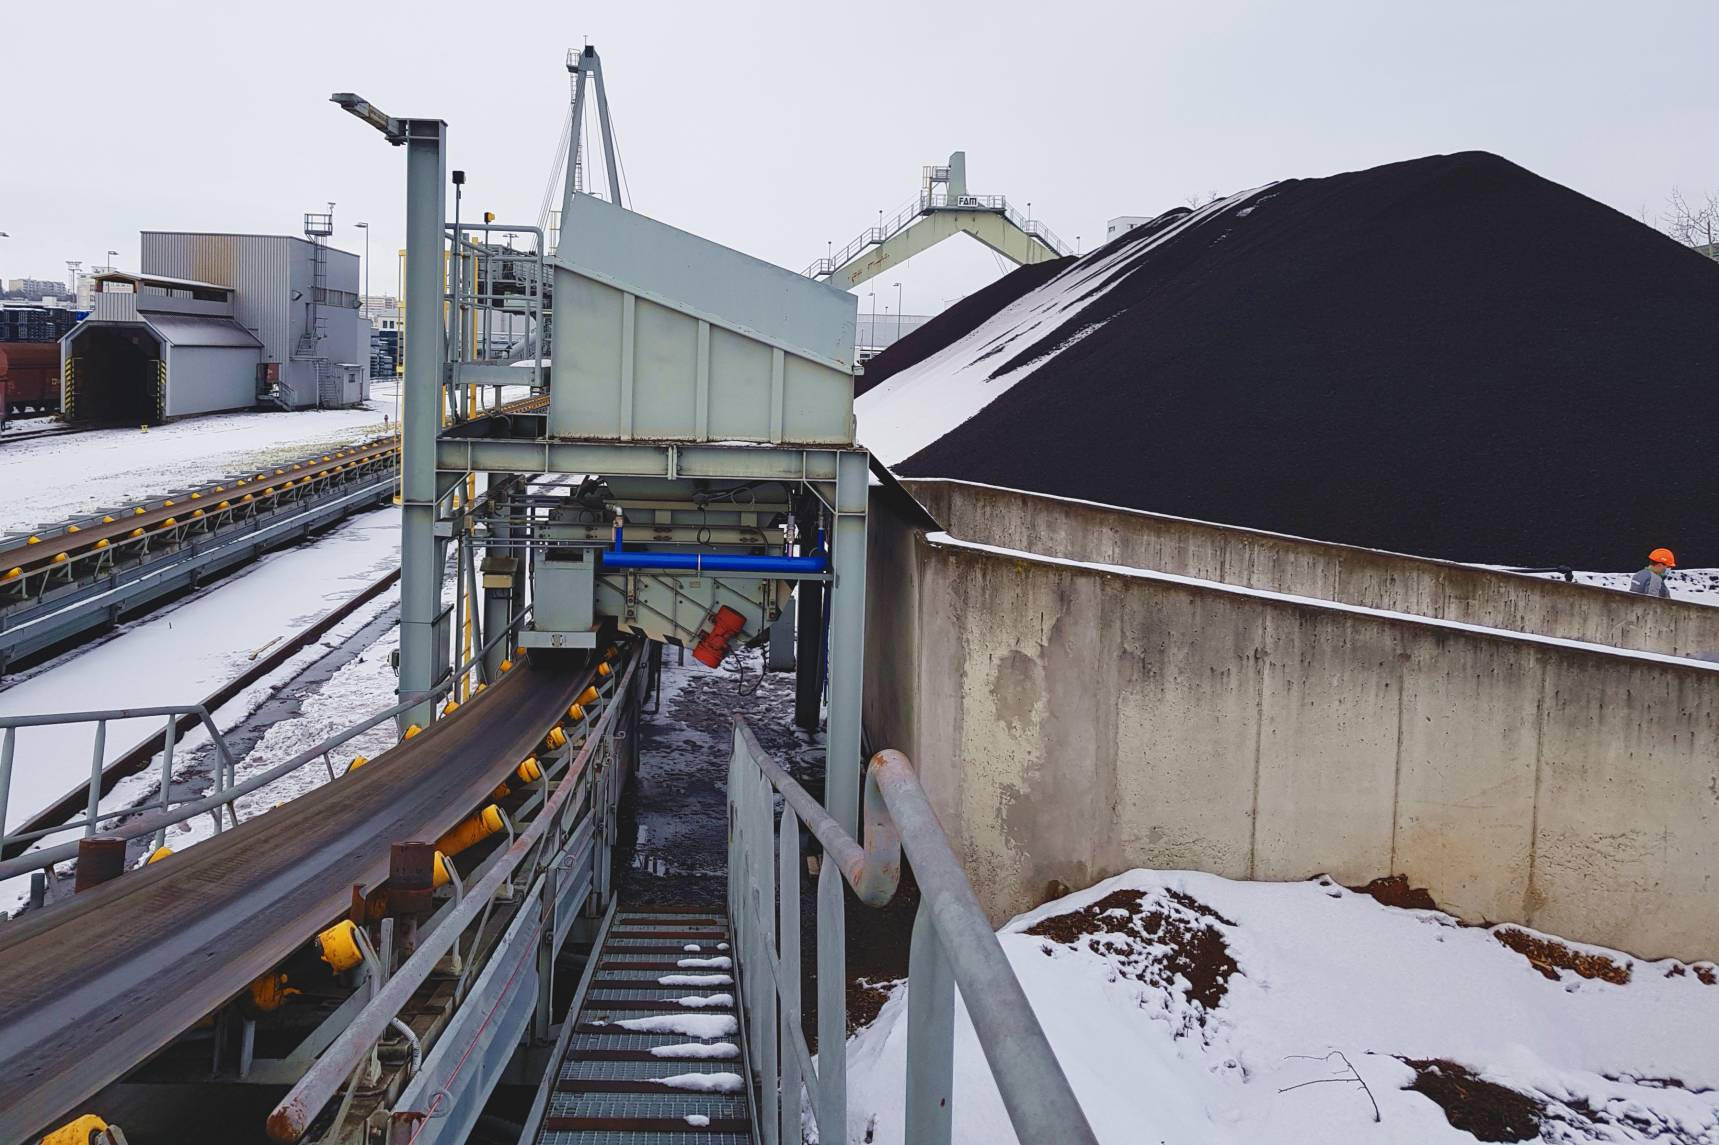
(652,1056)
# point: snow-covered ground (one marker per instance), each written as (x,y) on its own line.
(51,478)
(359,689)
(1188,1009)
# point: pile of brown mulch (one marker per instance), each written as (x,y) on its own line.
(1171,942)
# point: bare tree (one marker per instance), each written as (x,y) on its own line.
(1694,224)
(1196,201)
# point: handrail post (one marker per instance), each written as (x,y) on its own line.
(764,887)
(6,748)
(832,1004)
(97,757)
(168,736)
(788,881)
(930,1035)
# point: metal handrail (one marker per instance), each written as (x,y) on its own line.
(225,771)
(932,201)
(291,1117)
(953,945)
(227,787)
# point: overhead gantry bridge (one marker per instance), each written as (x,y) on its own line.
(943,209)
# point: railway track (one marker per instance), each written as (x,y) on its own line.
(94,986)
(46,431)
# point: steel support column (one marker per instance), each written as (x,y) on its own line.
(847,641)
(500,603)
(421,561)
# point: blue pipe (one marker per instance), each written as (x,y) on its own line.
(616,558)
(716,562)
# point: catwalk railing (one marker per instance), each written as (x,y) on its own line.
(153,816)
(953,946)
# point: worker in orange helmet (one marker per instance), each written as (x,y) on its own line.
(1650,581)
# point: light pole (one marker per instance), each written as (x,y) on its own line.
(364,307)
(110,256)
(897,286)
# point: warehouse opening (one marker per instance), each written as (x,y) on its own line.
(115,376)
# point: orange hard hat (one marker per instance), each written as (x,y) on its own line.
(1662,557)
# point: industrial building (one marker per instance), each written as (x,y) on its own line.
(220,322)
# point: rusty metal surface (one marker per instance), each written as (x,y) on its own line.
(91,987)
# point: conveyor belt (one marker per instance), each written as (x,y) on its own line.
(185,508)
(91,988)
(535,404)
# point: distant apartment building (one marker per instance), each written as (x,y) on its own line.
(36,288)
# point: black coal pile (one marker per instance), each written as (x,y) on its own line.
(1449,356)
(958,321)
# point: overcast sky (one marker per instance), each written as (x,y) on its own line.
(777,127)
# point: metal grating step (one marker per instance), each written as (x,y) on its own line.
(608,1088)
(666,1103)
(647,990)
(587,1039)
(643,1131)
(610,974)
(592,1069)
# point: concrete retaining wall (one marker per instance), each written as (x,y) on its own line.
(1071,723)
(1106,535)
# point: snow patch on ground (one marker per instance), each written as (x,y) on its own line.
(1330,998)
(51,478)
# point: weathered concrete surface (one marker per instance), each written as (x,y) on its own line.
(1107,535)
(1070,723)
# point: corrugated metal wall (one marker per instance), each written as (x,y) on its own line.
(202,379)
(257,267)
(265,272)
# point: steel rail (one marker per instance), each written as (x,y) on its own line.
(85,998)
(291,1118)
(138,757)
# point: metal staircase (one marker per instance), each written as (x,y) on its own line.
(624,1071)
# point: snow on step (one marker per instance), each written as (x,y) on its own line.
(712,1050)
(703,1082)
(706,1001)
(695,980)
(705,963)
(686,1025)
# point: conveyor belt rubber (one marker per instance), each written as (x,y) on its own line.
(628,1077)
(92,987)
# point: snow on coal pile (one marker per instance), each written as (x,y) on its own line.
(1449,356)
(1191,1010)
